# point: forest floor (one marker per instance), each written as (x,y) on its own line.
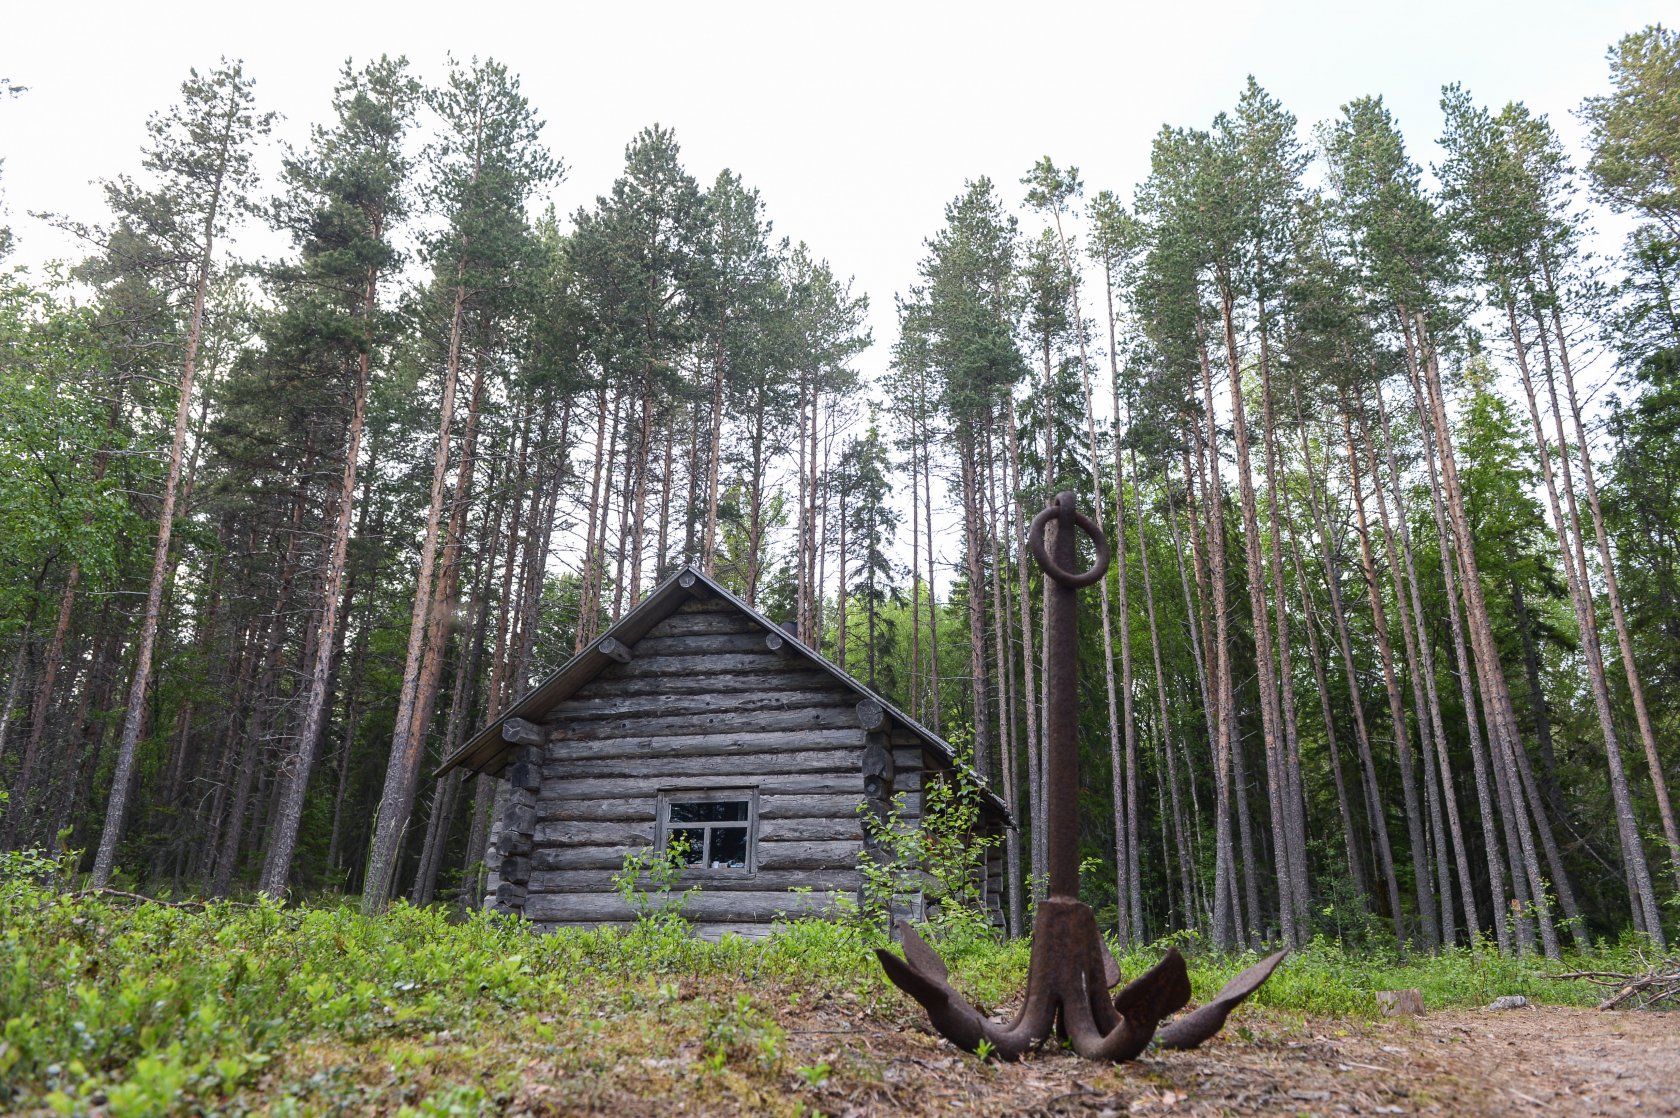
(1547,1060)
(856,1058)
(116,1006)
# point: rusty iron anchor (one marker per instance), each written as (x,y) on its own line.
(1071,970)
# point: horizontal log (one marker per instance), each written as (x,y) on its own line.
(810,830)
(728,769)
(582,857)
(600,881)
(798,675)
(907,759)
(520,732)
(615,649)
(680,726)
(561,785)
(710,603)
(770,695)
(747,908)
(685,623)
(662,665)
(644,810)
(571,833)
(774,806)
(808,855)
(871,715)
(700,644)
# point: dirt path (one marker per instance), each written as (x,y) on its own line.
(1528,1061)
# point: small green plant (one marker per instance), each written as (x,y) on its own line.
(814,1075)
(939,858)
(658,901)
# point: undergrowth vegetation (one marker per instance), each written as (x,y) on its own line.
(145,1007)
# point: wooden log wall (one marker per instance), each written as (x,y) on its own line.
(709,700)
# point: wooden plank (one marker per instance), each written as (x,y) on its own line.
(600,881)
(559,784)
(783,675)
(664,704)
(662,665)
(745,907)
(581,857)
(684,623)
(710,604)
(590,833)
(810,830)
(729,769)
(553,810)
(807,855)
(681,727)
(772,805)
(700,644)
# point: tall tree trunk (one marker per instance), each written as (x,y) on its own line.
(1502,723)
(294,772)
(402,771)
(1396,705)
(122,779)
(1612,590)
(1567,519)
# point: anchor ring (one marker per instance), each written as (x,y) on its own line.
(1035,540)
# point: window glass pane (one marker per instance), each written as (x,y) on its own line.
(709,811)
(695,839)
(729,848)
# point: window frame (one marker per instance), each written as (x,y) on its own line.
(747,794)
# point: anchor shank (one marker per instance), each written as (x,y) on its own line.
(1061,653)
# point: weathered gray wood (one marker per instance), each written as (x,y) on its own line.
(685,726)
(778,643)
(694,584)
(807,855)
(810,830)
(682,623)
(700,644)
(774,806)
(792,675)
(871,715)
(743,704)
(736,768)
(591,833)
(582,857)
(600,881)
(747,907)
(713,604)
(614,649)
(520,732)
(662,665)
(560,784)
(907,760)
(554,810)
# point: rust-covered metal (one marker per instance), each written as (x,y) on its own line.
(1072,971)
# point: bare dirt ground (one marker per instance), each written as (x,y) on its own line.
(1479,1062)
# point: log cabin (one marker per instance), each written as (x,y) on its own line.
(697,718)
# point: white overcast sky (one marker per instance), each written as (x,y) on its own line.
(857,121)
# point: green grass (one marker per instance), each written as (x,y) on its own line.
(152,1009)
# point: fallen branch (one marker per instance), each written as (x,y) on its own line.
(1659,983)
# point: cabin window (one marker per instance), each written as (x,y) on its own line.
(718,828)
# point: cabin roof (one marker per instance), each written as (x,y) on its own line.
(485,749)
